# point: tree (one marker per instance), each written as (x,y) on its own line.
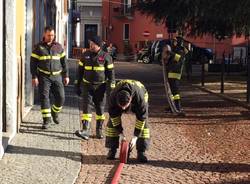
(197,17)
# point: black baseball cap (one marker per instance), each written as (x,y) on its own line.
(96,39)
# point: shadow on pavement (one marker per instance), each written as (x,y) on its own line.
(97,159)
(206,167)
(44,152)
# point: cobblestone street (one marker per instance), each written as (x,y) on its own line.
(210,145)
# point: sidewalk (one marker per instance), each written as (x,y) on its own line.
(45,156)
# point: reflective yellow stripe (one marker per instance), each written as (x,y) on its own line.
(146,97)
(116,121)
(84,80)
(45,110)
(139,84)
(80,63)
(46,57)
(174,75)
(133,82)
(110,66)
(35,56)
(88,67)
(177,97)
(56,109)
(145,133)
(86,117)
(49,73)
(177,57)
(111,132)
(100,117)
(46,115)
(95,68)
(99,68)
(139,124)
(49,57)
(62,55)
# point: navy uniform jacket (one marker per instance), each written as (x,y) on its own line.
(48,59)
(96,68)
(139,104)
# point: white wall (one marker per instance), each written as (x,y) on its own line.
(11,68)
(90,15)
(1,83)
(61,23)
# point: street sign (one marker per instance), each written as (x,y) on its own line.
(146,33)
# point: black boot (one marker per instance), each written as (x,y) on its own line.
(111,154)
(99,133)
(85,132)
(180,113)
(55,117)
(141,157)
(46,123)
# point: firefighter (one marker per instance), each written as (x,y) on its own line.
(128,95)
(174,60)
(96,73)
(50,73)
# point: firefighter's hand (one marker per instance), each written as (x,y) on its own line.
(66,81)
(133,142)
(35,82)
(122,137)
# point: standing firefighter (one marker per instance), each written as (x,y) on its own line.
(128,94)
(173,58)
(48,66)
(96,72)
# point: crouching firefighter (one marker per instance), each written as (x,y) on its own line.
(50,73)
(128,94)
(96,74)
(174,61)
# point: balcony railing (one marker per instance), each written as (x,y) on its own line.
(123,11)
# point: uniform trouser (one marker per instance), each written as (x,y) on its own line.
(174,86)
(93,94)
(54,85)
(112,138)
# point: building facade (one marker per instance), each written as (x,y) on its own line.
(90,24)
(22,23)
(127,29)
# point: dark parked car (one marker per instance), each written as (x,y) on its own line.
(201,55)
(152,53)
(143,56)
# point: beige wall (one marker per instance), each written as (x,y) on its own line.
(20,27)
(20,53)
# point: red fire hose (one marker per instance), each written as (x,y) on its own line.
(124,154)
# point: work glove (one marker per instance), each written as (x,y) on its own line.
(112,85)
(132,142)
(122,137)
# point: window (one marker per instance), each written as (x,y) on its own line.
(127,7)
(126,32)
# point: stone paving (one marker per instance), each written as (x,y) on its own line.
(208,146)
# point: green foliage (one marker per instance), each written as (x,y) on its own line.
(221,18)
